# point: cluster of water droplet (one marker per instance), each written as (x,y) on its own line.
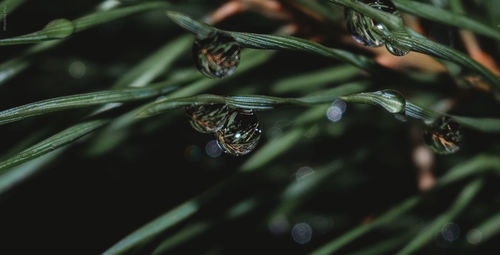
(216,56)
(368,31)
(237,130)
(444,136)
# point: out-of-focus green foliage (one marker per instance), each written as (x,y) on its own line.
(95,146)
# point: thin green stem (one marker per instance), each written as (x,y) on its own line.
(83,100)
(437,14)
(273,42)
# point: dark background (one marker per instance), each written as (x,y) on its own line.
(83,203)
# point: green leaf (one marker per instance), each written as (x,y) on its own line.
(253,60)
(321,9)
(391,100)
(16,175)
(314,80)
(475,165)
(154,65)
(52,143)
(56,29)
(394,102)
(273,42)
(10,5)
(393,22)
(184,235)
(198,228)
(489,125)
(420,44)
(257,160)
(272,150)
(82,100)
(428,233)
(489,228)
(383,247)
(11,68)
(353,234)
(62,28)
(437,14)
(461,171)
(104,17)
(154,227)
(399,36)
(255,102)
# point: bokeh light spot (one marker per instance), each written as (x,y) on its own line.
(302,233)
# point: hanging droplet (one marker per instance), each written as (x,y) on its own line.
(216,56)
(391,100)
(362,27)
(241,134)
(208,118)
(368,31)
(59,28)
(394,46)
(396,51)
(443,136)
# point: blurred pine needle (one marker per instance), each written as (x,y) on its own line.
(97,153)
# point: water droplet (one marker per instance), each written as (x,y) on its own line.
(443,136)
(208,118)
(397,51)
(368,31)
(362,27)
(59,28)
(241,134)
(391,100)
(216,56)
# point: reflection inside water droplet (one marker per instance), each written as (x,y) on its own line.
(208,118)
(397,51)
(444,136)
(393,101)
(216,56)
(212,149)
(362,28)
(368,31)
(241,134)
(59,28)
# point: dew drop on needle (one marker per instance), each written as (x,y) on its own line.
(208,118)
(391,100)
(216,56)
(397,51)
(241,134)
(443,136)
(370,32)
